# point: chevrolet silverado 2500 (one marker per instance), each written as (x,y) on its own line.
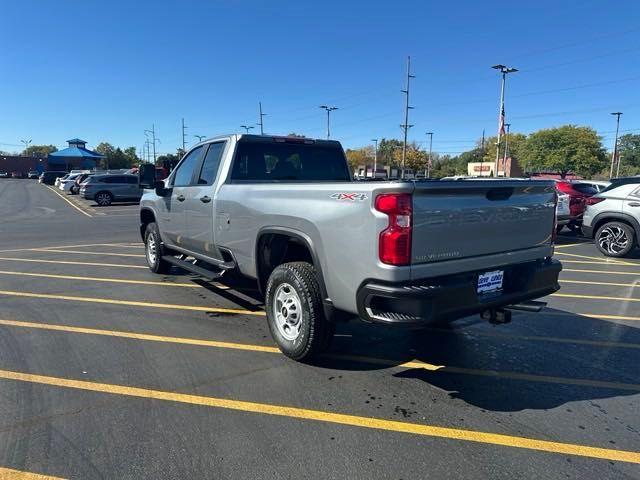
(285,212)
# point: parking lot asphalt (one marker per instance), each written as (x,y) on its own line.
(110,371)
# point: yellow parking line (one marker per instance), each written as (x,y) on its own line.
(602,263)
(112,254)
(101,279)
(68,262)
(120,245)
(353,358)
(9,474)
(70,202)
(595,297)
(567,245)
(607,272)
(601,259)
(132,303)
(330,417)
(582,282)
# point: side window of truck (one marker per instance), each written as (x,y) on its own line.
(184,172)
(211,163)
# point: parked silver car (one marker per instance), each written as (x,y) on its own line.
(105,189)
(612,217)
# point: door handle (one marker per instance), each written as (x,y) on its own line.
(180,198)
(634,204)
(205,199)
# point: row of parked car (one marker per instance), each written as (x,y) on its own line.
(103,187)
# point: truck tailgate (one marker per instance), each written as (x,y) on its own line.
(463,219)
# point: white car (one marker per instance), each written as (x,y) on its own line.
(56,184)
(68,181)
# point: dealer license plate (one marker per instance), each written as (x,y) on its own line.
(490,281)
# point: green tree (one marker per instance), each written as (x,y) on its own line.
(517,148)
(39,150)
(115,157)
(565,149)
(359,156)
(629,154)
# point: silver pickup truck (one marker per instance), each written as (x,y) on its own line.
(322,248)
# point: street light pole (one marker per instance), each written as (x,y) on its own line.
(246,127)
(26,144)
(501,116)
(615,146)
(506,148)
(261,116)
(428,172)
(329,109)
(200,137)
(375,159)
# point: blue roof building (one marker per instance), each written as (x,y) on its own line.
(76,155)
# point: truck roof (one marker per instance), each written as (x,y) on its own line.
(273,138)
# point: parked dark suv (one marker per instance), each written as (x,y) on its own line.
(49,178)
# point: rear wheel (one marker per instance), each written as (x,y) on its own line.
(104,199)
(615,239)
(294,311)
(154,250)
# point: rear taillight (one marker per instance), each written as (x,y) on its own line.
(394,244)
(593,200)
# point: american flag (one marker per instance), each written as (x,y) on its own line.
(501,123)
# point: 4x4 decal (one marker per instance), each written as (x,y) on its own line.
(349,196)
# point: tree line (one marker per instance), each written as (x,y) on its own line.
(562,150)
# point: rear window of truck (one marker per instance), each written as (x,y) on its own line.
(282,162)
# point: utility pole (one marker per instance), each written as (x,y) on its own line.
(261,116)
(26,144)
(482,152)
(375,159)
(506,148)
(329,109)
(428,172)
(153,140)
(405,126)
(246,127)
(614,157)
(504,70)
(184,136)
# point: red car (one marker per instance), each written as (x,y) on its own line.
(578,194)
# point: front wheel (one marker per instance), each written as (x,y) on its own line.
(615,239)
(294,311)
(153,250)
(104,199)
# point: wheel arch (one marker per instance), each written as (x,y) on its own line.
(279,240)
(146,217)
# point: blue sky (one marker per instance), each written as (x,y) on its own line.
(105,71)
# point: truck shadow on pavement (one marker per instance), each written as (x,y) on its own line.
(503,368)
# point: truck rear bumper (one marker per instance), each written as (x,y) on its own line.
(451,297)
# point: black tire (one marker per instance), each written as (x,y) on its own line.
(103,199)
(559,228)
(575,228)
(615,239)
(152,240)
(314,331)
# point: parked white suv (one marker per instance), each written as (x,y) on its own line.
(612,217)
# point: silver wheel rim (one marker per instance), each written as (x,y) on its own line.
(287,310)
(152,249)
(103,199)
(613,240)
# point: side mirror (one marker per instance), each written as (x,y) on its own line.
(161,189)
(147,176)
